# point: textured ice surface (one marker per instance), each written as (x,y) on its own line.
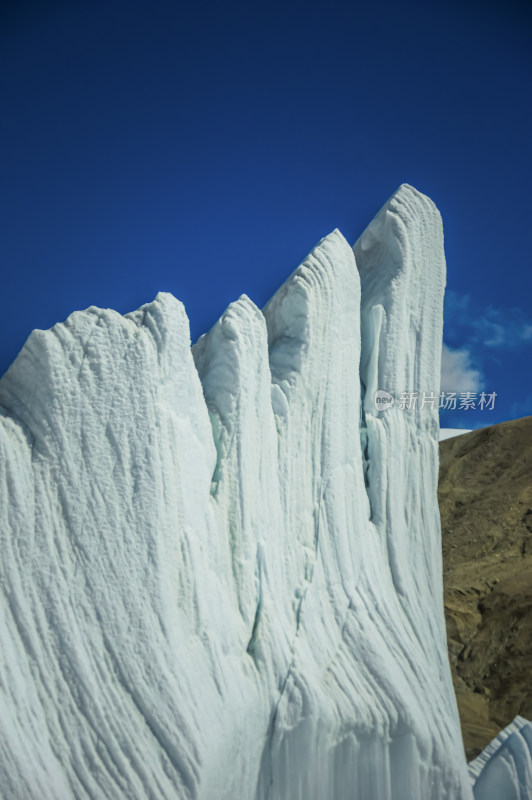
(503,771)
(221,568)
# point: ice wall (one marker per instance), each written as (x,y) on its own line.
(221,567)
(503,771)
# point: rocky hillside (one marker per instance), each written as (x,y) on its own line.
(485,496)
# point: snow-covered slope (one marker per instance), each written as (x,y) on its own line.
(221,567)
(450,433)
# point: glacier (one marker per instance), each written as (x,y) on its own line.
(221,566)
(503,771)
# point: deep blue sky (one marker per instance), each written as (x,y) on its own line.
(204,148)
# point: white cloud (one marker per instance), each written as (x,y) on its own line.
(458,371)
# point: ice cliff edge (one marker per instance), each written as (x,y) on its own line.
(220,565)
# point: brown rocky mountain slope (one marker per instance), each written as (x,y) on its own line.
(485,497)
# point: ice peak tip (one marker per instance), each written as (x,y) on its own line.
(408,192)
(410,201)
(334,237)
(406,188)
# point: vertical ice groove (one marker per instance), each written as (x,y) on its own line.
(220,572)
(313,338)
(232,363)
(402,270)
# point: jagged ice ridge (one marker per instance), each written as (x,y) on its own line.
(220,566)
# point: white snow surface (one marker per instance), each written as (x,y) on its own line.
(450,433)
(220,567)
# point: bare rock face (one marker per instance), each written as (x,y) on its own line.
(485,497)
